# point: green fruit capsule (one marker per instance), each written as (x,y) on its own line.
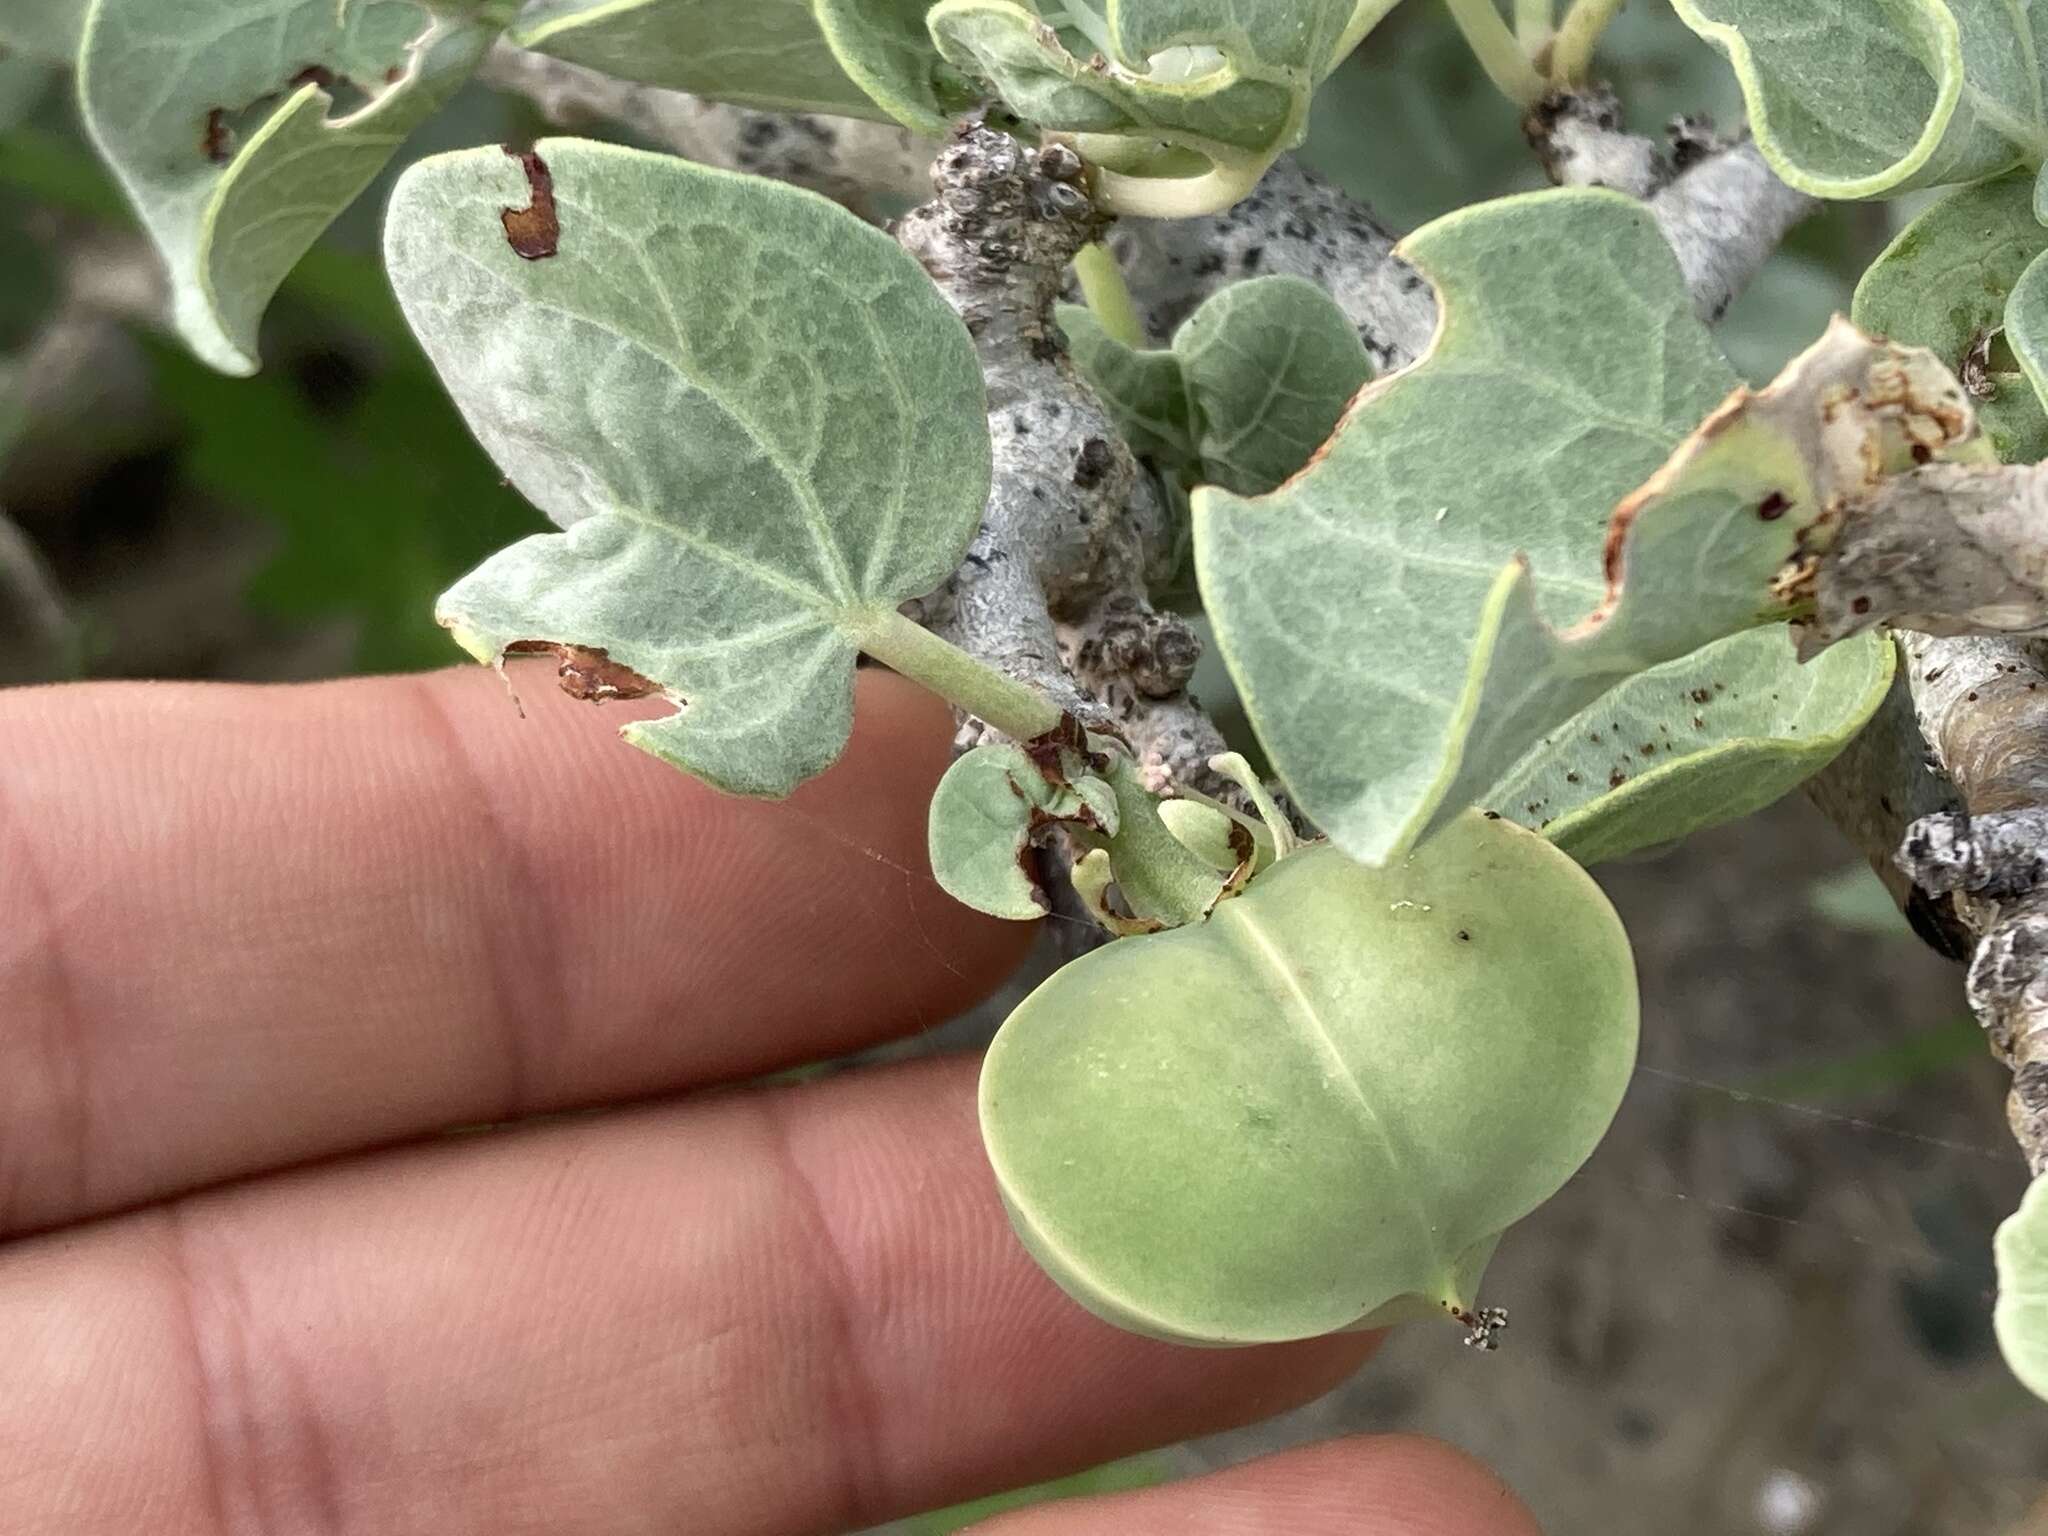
(1320,1108)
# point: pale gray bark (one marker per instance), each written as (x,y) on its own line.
(1723,209)
(1982,703)
(873,168)
(1056,587)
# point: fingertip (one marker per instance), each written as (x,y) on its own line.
(1364,1485)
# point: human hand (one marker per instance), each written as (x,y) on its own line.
(259,939)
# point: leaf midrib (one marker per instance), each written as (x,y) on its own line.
(799,489)
(1266,956)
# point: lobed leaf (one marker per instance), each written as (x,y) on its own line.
(984,814)
(1863,98)
(1165,83)
(1948,283)
(1251,1128)
(220,120)
(1399,617)
(756,418)
(2020,1317)
(1255,380)
(858,58)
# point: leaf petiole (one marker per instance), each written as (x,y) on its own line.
(1497,51)
(1014,708)
(1179,197)
(1534,22)
(1108,295)
(1571,57)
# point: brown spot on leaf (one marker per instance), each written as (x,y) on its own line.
(588,672)
(534,231)
(1773,506)
(217,143)
(315,74)
(1616,779)
(1861,605)
(1243,847)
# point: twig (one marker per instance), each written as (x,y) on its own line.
(1074,537)
(1983,708)
(1292,223)
(873,168)
(1719,204)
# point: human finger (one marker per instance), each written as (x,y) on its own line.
(253,925)
(1366,1485)
(758,1314)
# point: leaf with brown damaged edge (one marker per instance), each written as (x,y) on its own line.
(757,422)
(1406,620)
(986,814)
(222,121)
(533,231)
(587,673)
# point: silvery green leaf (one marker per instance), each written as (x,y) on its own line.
(859,58)
(1270,366)
(1144,389)
(1443,586)
(1251,1128)
(43,29)
(1696,742)
(1862,98)
(2026,336)
(220,120)
(1156,82)
(983,815)
(756,418)
(1252,385)
(2020,1318)
(1946,284)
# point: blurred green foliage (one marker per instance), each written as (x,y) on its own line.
(381,498)
(347,446)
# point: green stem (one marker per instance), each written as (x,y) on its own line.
(1108,295)
(1494,46)
(1534,20)
(1370,13)
(1177,197)
(1014,708)
(1571,57)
